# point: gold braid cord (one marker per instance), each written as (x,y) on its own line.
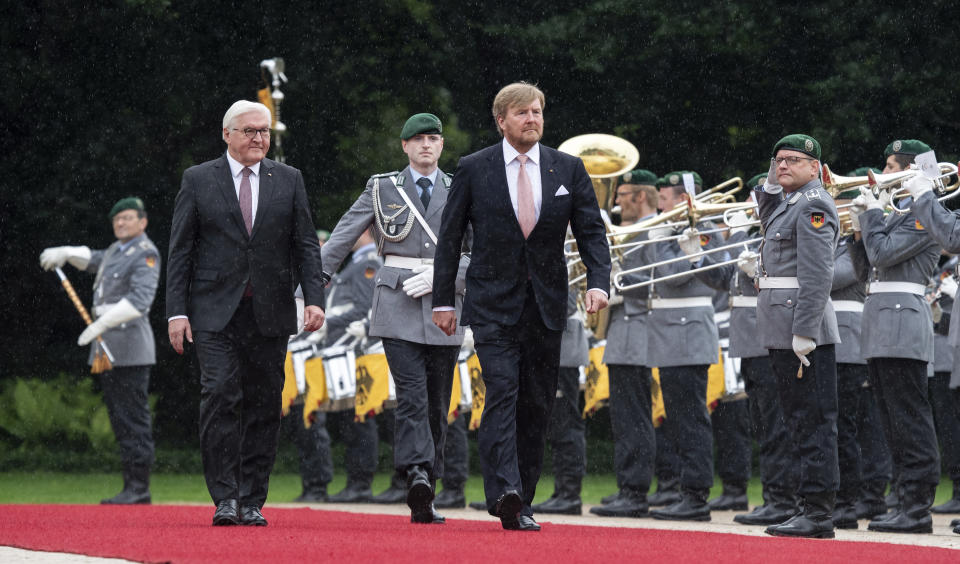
(100,361)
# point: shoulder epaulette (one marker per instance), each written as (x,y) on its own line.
(446,180)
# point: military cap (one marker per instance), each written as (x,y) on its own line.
(675,178)
(910,147)
(799,142)
(130,203)
(421,123)
(639,176)
(756,180)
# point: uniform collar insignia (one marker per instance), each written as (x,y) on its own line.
(794,198)
(812,194)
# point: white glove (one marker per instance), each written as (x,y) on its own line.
(421,284)
(122,312)
(870,201)
(854,220)
(747,261)
(689,242)
(659,232)
(468,340)
(770,185)
(300,307)
(948,286)
(802,346)
(357,329)
(918,186)
(737,222)
(54,257)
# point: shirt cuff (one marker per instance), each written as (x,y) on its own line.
(444,308)
(604,292)
(176,317)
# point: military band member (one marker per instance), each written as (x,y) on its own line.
(897,341)
(634,441)
(567,433)
(127,273)
(682,342)
(421,357)
(946,413)
(797,324)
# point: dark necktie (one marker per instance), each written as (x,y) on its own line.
(246,199)
(424,184)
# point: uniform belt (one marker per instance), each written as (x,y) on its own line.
(671,303)
(743,301)
(770,282)
(847,305)
(721,316)
(397,261)
(904,287)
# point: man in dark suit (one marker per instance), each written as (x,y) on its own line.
(519,197)
(241,239)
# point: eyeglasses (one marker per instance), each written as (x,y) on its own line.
(625,194)
(790,160)
(251,132)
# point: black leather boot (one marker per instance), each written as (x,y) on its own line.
(691,507)
(396,493)
(845,510)
(565,499)
(952,505)
(734,498)
(668,493)
(608,498)
(815,521)
(630,503)
(136,487)
(914,514)
(450,498)
(871,503)
(353,493)
(778,508)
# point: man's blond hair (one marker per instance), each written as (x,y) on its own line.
(516,94)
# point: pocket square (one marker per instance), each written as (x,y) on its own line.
(562,191)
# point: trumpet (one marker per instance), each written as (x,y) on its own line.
(894,183)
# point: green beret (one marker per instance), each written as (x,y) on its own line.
(799,142)
(421,123)
(131,203)
(756,180)
(639,176)
(862,171)
(910,147)
(675,178)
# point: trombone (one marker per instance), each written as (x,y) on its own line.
(621,287)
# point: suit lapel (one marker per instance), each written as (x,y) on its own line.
(266,193)
(498,189)
(229,193)
(549,183)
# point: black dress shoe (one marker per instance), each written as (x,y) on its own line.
(509,505)
(128,497)
(559,506)
(352,494)
(419,491)
(902,522)
(623,506)
(870,510)
(609,498)
(687,509)
(478,505)
(250,515)
(390,495)
(664,497)
(845,517)
(520,523)
(311,496)
(450,499)
(768,514)
(955,523)
(729,502)
(801,525)
(951,506)
(430,517)
(227,513)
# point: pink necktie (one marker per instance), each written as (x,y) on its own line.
(246,199)
(526,214)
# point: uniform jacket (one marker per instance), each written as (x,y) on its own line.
(898,325)
(350,294)
(627,333)
(683,336)
(800,231)
(132,273)
(212,258)
(743,335)
(944,226)
(395,314)
(502,261)
(574,349)
(850,271)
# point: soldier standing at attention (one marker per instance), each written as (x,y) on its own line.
(127,273)
(405,208)
(897,341)
(798,325)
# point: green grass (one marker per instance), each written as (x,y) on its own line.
(59,487)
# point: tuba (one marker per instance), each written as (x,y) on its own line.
(605,157)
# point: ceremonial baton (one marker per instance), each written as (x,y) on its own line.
(101,363)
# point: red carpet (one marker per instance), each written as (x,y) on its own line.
(183,534)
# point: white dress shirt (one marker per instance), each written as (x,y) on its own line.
(533,173)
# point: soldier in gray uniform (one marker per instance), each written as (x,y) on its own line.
(634,441)
(897,341)
(421,357)
(682,342)
(567,432)
(127,273)
(797,324)
(946,413)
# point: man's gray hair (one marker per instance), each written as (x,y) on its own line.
(241,107)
